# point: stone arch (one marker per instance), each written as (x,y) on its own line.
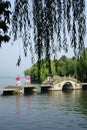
(67,86)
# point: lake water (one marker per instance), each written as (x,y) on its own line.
(43,111)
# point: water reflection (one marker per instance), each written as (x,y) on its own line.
(83,102)
(60,95)
(22,103)
(28,102)
(52,110)
(68,100)
(18,104)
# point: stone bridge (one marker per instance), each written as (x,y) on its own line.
(62,83)
(66,85)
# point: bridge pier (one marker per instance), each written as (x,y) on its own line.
(47,87)
(84,86)
(28,90)
(11,92)
(44,89)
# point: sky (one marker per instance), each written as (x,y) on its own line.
(9,53)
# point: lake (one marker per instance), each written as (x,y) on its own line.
(43,111)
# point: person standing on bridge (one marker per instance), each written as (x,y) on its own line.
(49,80)
(18,79)
(28,79)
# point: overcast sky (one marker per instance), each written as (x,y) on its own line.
(8,58)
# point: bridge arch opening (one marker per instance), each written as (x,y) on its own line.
(67,86)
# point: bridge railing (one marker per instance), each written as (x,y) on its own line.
(57,79)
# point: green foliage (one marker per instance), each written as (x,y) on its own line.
(4,20)
(82,66)
(64,67)
(21,23)
(74,67)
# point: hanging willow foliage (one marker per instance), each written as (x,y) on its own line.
(21,23)
(54,21)
(4,21)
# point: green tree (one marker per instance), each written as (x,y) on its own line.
(82,66)
(4,20)
(65,67)
(71,67)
